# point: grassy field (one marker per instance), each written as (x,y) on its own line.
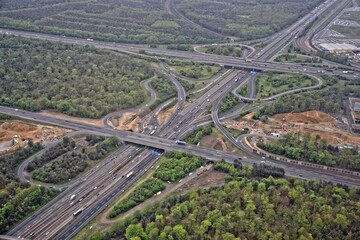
(245,19)
(140,21)
(194,71)
(269,84)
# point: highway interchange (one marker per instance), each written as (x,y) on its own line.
(108,180)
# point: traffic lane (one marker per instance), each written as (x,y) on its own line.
(150,160)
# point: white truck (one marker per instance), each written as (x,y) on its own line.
(129,174)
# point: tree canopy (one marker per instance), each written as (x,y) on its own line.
(76,80)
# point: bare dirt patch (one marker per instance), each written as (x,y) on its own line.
(24,131)
(164,115)
(96,122)
(127,121)
(309,117)
(213,142)
(312,122)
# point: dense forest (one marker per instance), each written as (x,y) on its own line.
(314,149)
(177,165)
(76,80)
(142,21)
(19,199)
(243,18)
(67,159)
(164,88)
(248,208)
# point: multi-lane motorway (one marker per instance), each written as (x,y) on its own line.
(193,56)
(106,181)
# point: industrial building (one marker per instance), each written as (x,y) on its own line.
(340,48)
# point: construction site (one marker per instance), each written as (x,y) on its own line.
(315,123)
(14,134)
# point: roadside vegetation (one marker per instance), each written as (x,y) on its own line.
(176,166)
(270,84)
(246,20)
(122,21)
(71,157)
(316,150)
(76,80)
(226,50)
(19,199)
(295,58)
(196,71)
(182,47)
(173,167)
(164,88)
(243,90)
(139,195)
(310,209)
(229,101)
(196,136)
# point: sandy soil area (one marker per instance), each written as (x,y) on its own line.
(127,121)
(24,131)
(164,115)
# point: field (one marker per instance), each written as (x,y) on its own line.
(75,80)
(245,19)
(139,21)
(269,84)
